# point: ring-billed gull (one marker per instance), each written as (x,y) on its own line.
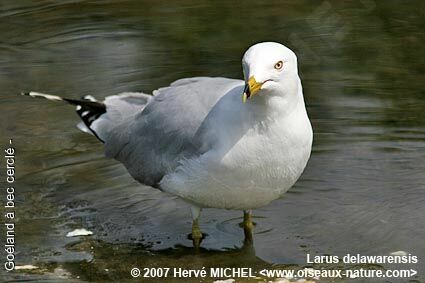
(214,142)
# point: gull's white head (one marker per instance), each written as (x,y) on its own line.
(269,68)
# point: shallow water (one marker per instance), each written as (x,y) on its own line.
(363,191)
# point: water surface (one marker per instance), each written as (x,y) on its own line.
(363,191)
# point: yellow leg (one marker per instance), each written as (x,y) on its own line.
(196,231)
(196,234)
(248,226)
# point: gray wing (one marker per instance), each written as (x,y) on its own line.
(150,135)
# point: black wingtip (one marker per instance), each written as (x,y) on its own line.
(88,108)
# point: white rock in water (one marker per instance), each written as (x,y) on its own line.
(79,232)
(27,266)
(61,273)
(400,253)
(225,281)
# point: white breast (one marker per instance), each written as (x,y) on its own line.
(248,169)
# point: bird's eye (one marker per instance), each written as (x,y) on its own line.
(278,65)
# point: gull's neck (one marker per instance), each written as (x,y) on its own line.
(279,103)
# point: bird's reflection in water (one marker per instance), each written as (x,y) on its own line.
(112,261)
(248,228)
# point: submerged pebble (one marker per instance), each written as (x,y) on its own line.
(399,253)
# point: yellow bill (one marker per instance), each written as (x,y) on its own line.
(251,88)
